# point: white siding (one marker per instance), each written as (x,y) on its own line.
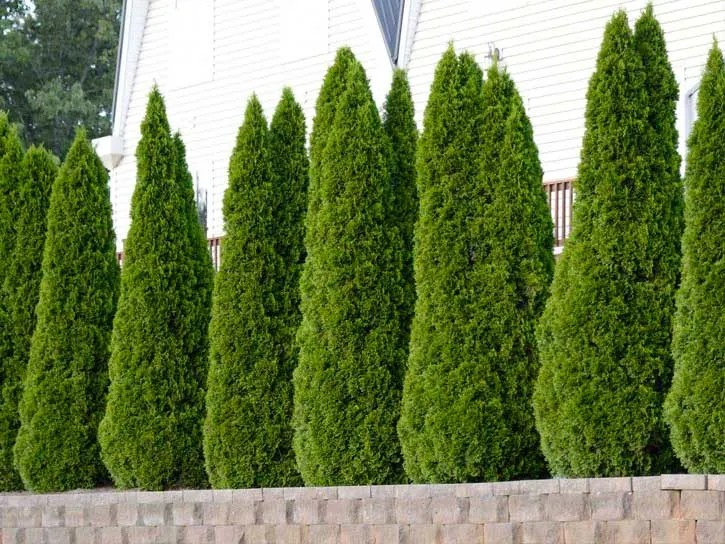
(249,56)
(550,49)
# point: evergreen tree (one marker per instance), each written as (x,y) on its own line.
(605,333)
(347,383)
(151,434)
(11,156)
(483,264)
(248,437)
(399,124)
(66,379)
(695,406)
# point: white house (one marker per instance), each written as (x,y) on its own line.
(208,56)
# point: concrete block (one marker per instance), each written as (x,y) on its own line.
(242,513)
(154,515)
(337,511)
(75,516)
(216,513)
(488,509)
(656,504)
(481,489)
(102,515)
(500,533)
(9,517)
(611,506)
(384,534)
(463,533)
(198,495)
(29,516)
(306,511)
(222,495)
(110,535)
(58,535)
(414,491)
(274,511)
(672,531)
(195,535)
(272,493)
(506,488)
(34,534)
(610,485)
(701,505)
(567,507)
(624,532)
(716,482)
(527,507)
(287,534)
(186,513)
(377,511)
(409,511)
(539,487)
(157,535)
(580,532)
(177,495)
(88,535)
(246,495)
(229,534)
(573,485)
(710,532)
(646,483)
(443,490)
(542,532)
(150,497)
(53,516)
(258,534)
(423,532)
(321,534)
(354,492)
(353,534)
(126,514)
(684,481)
(383,491)
(449,509)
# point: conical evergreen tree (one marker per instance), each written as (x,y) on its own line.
(248,437)
(605,333)
(347,383)
(695,406)
(11,156)
(151,434)
(483,264)
(66,380)
(399,124)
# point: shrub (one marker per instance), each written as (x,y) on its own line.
(695,406)
(347,386)
(605,333)
(66,380)
(151,434)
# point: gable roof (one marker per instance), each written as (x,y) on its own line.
(390,17)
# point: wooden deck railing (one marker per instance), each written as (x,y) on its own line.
(560,195)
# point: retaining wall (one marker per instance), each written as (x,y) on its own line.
(668,509)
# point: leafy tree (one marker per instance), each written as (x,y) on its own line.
(151,434)
(605,334)
(248,438)
(11,156)
(57,67)
(399,124)
(347,383)
(65,385)
(483,265)
(695,406)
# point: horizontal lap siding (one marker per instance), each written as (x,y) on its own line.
(550,49)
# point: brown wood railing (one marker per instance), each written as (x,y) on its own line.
(560,195)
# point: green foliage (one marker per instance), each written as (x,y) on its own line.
(151,434)
(399,124)
(483,264)
(11,156)
(352,345)
(695,406)
(66,379)
(605,334)
(57,65)
(248,436)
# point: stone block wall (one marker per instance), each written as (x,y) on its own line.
(668,509)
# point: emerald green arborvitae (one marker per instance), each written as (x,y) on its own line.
(151,434)
(66,379)
(11,156)
(483,264)
(352,339)
(695,406)
(605,333)
(399,124)
(255,313)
